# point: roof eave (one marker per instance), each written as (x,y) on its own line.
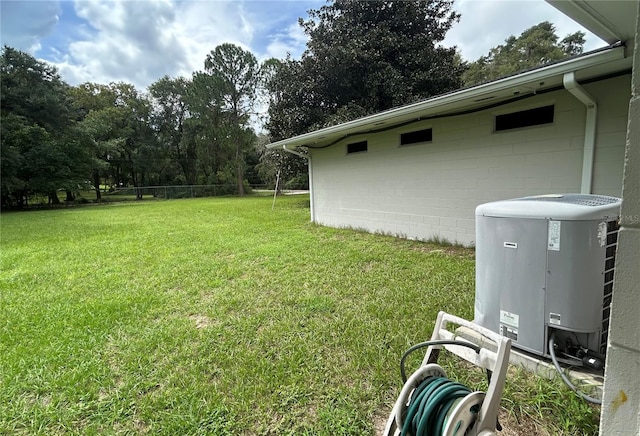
(469,95)
(610,20)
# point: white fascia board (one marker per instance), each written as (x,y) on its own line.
(458,100)
(582,13)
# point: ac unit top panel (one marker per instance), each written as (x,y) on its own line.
(576,207)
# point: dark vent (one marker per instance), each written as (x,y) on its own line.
(528,118)
(357,147)
(579,199)
(610,260)
(425,135)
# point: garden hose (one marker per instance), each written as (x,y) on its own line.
(433,404)
(403,374)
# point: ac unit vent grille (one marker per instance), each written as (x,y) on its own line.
(610,260)
(579,199)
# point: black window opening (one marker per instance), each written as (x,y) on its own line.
(527,118)
(357,147)
(416,137)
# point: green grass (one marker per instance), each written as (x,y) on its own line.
(220,316)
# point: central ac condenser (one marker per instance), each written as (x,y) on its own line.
(544,264)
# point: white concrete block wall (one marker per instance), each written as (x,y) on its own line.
(621,400)
(432,189)
(613,107)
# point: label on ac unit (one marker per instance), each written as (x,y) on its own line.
(509,323)
(602,233)
(555,318)
(509,332)
(509,318)
(553,240)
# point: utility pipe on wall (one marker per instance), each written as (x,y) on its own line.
(571,85)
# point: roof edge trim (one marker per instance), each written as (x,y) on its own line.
(597,57)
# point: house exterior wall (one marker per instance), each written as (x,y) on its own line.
(621,400)
(431,189)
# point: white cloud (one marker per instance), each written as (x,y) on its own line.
(293,41)
(201,26)
(139,42)
(23,23)
(485,24)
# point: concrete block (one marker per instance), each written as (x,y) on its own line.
(611,139)
(621,401)
(577,142)
(612,124)
(631,181)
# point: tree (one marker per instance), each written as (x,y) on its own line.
(93,103)
(363,57)
(236,73)
(42,149)
(130,121)
(170,118)
(536,46)
(117,118)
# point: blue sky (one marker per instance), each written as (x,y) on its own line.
(139,41)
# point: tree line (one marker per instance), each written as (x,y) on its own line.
(57,137)
(361,57)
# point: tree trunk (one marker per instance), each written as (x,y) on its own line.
(136,187)
(70,196)
(240,179)
(53,198)
(96,185)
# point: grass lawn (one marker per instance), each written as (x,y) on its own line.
(220,316)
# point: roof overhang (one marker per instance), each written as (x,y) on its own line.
(611,20)
(591,65)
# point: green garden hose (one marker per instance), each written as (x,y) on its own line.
(431,402)
(432,397)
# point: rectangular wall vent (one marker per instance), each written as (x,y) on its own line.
(416,137)
(526,118)
(357,147)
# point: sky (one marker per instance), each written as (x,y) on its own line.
(139,41)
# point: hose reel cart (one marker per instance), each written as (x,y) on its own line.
(431,404)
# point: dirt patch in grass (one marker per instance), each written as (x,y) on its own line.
(511,426)
(447,250)
(523,426)
(201,321)
(140,426)
(380,422)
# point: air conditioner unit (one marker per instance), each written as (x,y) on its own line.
(544,265)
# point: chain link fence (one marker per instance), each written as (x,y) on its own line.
(182,191)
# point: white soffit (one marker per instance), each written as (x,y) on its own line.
(611,20)
(590,65)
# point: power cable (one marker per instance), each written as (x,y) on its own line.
(565,379)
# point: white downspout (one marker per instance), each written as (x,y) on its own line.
(571,85)
(310,170)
